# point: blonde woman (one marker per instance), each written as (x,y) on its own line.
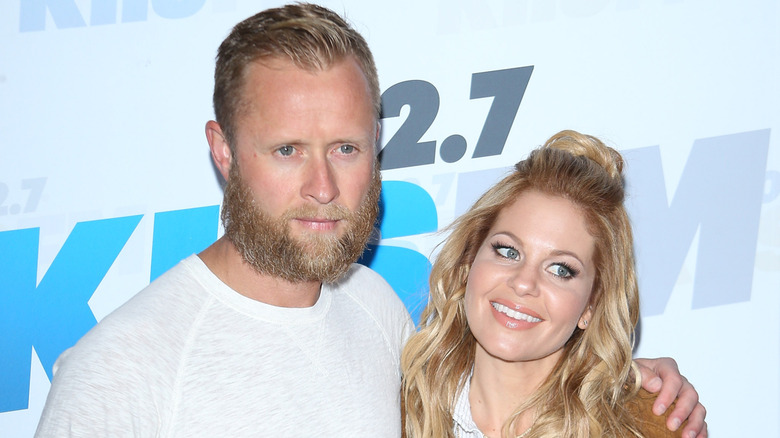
(530,326)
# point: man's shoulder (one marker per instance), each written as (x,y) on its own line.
(178,291)
(366,289)
(154,319)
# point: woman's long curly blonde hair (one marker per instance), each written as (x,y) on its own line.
(585,394)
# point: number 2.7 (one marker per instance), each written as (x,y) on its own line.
(404,148)
(34,185)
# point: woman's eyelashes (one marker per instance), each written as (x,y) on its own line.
(563,270)
(506,251)
(559,269)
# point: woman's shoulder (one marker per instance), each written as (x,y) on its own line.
(651,425)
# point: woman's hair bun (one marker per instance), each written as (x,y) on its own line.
(589,147)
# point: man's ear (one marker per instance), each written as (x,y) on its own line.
(220,149)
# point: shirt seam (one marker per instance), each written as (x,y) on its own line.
(193,331)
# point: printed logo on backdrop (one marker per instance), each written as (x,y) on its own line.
(67,13)
(718,199)
(404,149)
(455,15)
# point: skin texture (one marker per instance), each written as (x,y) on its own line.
(305,140)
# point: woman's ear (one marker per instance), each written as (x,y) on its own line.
(585,318)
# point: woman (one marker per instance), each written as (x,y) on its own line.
(533,304)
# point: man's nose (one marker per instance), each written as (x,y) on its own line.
(320,181)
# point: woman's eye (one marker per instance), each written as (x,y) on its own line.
(562,271)
(286,150)
(508,252)
(346,149)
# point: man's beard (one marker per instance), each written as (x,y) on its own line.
(267,245)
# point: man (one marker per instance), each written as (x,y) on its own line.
(272,330)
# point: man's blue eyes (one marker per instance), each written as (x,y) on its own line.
(286,150)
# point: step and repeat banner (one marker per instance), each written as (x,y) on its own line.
(106,178)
